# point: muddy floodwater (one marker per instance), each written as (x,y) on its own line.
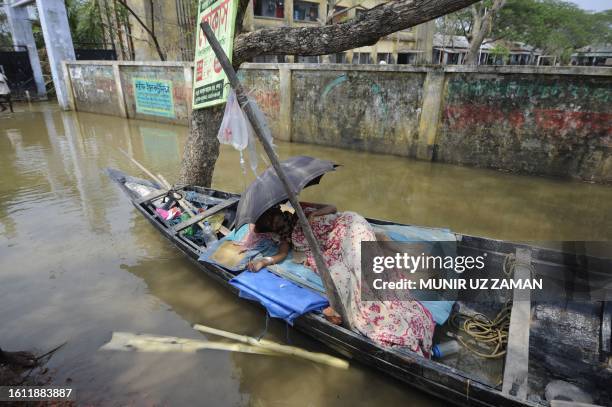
(77,262)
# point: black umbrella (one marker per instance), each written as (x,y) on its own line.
(267,190)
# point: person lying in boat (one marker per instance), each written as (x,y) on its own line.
(390,323)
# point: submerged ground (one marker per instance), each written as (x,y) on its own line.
(77,262)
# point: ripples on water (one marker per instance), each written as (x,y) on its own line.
(77,262)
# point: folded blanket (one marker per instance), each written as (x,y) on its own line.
(281,298)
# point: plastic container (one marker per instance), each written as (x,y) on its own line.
(445,349)
(208,234)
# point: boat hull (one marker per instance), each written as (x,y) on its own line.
(439,380)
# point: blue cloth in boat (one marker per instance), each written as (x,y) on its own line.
(281,298)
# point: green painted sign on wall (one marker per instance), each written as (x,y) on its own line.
(209,86)
(153,97)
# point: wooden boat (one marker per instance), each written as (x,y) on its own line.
(568,341)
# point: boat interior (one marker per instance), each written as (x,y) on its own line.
(568,341)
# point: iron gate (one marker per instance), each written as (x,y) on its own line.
(15,63)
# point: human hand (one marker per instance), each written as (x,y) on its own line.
(311,216)
(255,266)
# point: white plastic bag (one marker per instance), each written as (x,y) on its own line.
(237,131)
(235,126)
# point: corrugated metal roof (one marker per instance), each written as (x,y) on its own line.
(456,43)
(598,50)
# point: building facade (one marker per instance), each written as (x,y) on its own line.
(593,55)
(408,46)
(452,50)
(173,23)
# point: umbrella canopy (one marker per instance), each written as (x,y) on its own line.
(267,190)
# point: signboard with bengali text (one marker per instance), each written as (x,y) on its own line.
(209,86)
(154,97)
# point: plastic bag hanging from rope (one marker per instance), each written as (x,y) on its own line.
(237,131)
(234,127)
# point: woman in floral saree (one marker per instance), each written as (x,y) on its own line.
(389,323)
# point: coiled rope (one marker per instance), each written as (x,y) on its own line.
(489,335)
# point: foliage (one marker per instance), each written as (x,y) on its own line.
(556,27)
(499,50)
(462,22)
(500,54)
(85,21)
(5,34)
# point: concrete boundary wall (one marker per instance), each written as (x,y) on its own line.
(529,119)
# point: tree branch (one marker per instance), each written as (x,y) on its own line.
(242,6)
(144,26)
(478,36)
(462,24)
(372,25)
(494,39)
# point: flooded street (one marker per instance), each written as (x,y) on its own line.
(78,262)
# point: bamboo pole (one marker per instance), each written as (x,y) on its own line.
(126,341)
(161,180)
(328,282)
(277,347)
(142,167)
(164,181)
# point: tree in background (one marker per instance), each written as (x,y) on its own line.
(500,53)
(85,21)
(148,27)
(475,23)
(5,32)
(483,14)
(556,27)
(202,147)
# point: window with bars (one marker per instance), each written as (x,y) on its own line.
(269,8)
(384,57)
(362,58)
(339,58)
(305,11)
(308,59)
(186,11)
(269,59)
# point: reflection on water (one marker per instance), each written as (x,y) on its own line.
(77,262)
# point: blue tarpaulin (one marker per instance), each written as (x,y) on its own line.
(282,298)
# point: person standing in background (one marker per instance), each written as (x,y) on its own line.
(5,93)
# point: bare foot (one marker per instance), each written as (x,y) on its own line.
(332,316)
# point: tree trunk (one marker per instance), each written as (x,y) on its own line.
(478,37)
(202,147)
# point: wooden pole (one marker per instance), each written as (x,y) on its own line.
(183,203)
(328,282)
(516,369)
(276,347)
(126,341)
